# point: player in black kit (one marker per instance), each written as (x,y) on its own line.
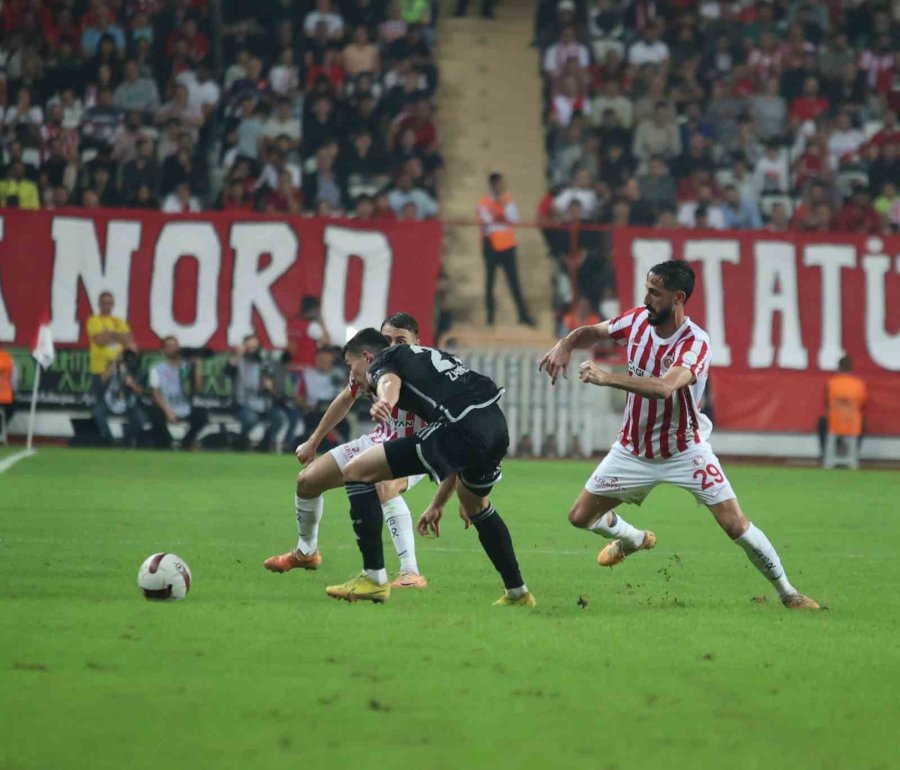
(462,446)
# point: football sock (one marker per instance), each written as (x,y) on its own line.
(365,512)
(399,523)
(764,557)
(612,525)
(309,514)
(497,544)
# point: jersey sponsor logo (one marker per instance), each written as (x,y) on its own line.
(697,462)
(636,371)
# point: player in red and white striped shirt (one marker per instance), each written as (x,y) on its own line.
(324,473)
(664,437)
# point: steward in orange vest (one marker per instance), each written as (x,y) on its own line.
(497,213)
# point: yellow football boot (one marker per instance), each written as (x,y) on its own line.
(361,588)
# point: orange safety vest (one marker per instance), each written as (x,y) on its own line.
(846,397)
(6,373)
(501,237)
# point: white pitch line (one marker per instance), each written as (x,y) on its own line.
(10,461)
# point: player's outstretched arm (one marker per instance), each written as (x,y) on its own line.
(649,387)
(337,411)
(431,518)
(388,392)
(556,360)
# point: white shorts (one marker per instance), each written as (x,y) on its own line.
(630,479)
(344,453)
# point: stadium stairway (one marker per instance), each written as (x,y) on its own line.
(489,113)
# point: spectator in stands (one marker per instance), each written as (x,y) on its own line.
(405,192)
(173,383)
(108,336)
(181,201)
(707,204)
(886,165)
(143,170)
(844,143)
(324,184)
(203,92)
(567,48)
(136,92)
(17,191)
(779,221)
(282,123)
(498,212)
(658,135)
(286,198)
(104,26)
(770,175)
(769,110)
(657,185)
(888,207)
(252,388)
(739,213)
(814,213)
(190,117)
(649,49)
(100,122)
(581,190)
(332,21)
(858,215)
(611,98)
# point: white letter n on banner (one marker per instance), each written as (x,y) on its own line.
(251,287)
(375,252)
(776,265)
(77,257)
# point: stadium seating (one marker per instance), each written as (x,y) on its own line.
(263,111)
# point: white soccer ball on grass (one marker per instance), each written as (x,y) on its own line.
(164,576)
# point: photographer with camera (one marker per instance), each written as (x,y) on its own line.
(253,387)
(173,382)
(121,396)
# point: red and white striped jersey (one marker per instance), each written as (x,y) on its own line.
(659,428)
(401,424)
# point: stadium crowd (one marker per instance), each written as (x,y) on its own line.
(778,115)
(278,106)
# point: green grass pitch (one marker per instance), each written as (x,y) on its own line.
(669,665)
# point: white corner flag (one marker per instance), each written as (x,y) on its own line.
(44,353)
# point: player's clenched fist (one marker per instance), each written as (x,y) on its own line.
(591,373)
(381,410)
(306,452)
(556,360)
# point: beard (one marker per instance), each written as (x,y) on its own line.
(658,319)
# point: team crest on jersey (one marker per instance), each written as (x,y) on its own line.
(667,361)
(697,462)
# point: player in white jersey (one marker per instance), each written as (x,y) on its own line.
(664,438)
(324,473)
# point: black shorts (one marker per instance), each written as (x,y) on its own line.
(474,447)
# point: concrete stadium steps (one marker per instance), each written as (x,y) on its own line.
(489,113)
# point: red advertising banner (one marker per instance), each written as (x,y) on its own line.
(210,279)
(781,309)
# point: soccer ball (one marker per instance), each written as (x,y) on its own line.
(164,576)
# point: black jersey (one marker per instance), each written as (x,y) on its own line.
(435,384)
